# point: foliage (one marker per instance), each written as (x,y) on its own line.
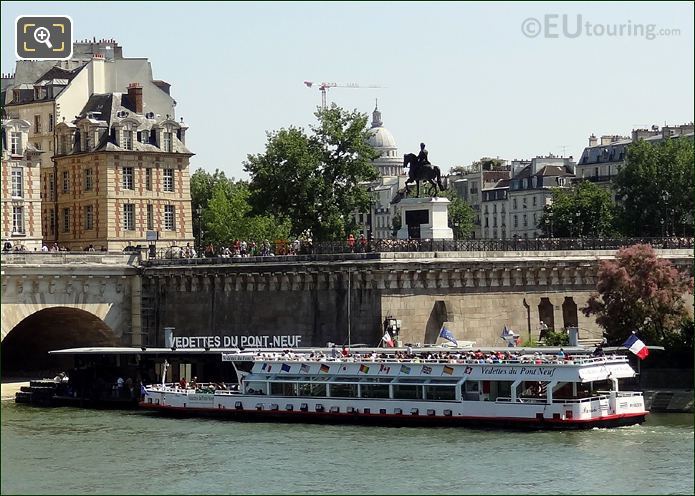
(484,164)
(529,343)
(640,292)
(556,338)
(461,215)
(228,217)
(586,210)
(396,224)
(656,188)
(202,186)
(312,179)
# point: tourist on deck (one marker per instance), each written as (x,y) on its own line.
(182,383)
(120,383)
(194,383)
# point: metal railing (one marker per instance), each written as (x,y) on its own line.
(293,251)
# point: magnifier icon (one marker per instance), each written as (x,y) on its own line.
(43,35)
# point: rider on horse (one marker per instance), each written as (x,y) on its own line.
(422,156)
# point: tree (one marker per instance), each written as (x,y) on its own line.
(484,164)
(461,215)
(655,188)
(227,217)
(640,292)
(203,185)
(313,180)
(586,210)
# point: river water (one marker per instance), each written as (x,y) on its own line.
(73,451)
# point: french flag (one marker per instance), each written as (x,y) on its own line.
(635,345)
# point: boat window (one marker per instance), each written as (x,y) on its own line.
(409,381)
(373,380)
(444,381)
(283,388)
(500,389)
(375,391)
(407,392)
(344,390)
(440,393)
(311,389)
(471,386)
(345,379)
(256,387)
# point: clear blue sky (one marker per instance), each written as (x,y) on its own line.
(460,76)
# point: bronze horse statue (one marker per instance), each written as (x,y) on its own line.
(418,172)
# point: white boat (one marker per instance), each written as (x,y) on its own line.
(464,388)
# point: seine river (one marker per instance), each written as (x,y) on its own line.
(73,451)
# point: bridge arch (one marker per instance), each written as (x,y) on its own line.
(25,347)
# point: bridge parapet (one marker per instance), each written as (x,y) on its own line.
(70,258)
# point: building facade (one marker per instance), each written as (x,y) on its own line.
(122,176)
(46,93)
(531,189)
(21,200)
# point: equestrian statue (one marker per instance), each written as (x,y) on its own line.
(422,170)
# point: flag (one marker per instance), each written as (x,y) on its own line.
(285,367)
(635,345)
(364,369)
(405,369)
(304,369)
(446,334)
(448,370)
(508,335)
(143,390)
(384,368)
(387,339)
(426,369)
(265,366)
(325,368)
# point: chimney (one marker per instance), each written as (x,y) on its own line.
(135,97)
(606,139)
(593,141)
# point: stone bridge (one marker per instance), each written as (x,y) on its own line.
(59,300)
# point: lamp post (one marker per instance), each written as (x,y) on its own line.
(571,227)
(199,211)
(579,223)
(549,224)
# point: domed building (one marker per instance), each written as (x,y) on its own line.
(377,223)
(389,163)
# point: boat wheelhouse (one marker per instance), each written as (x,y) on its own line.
(531,390)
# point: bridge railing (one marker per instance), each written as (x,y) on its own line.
(344,250)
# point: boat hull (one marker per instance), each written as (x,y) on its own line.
(242,415)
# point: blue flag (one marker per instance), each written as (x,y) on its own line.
(285,367)
(446,334)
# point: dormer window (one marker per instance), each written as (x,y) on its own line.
(16,143)
(127,140)
(144,136)
(166,141)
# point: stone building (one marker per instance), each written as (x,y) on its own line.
(122,171)
(21,201)
(45,93)
(530,190)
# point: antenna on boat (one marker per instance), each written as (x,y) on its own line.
(348,308)
(164,370)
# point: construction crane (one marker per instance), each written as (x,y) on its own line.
(323,87)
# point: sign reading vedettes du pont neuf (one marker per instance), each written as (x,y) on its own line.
(262,341)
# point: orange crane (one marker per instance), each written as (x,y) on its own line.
(323,87)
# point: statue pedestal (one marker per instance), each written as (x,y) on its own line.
(425,218)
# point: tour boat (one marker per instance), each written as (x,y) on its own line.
(530,390)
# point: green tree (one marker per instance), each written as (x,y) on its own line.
(313,179)
(203,185)
(461,215)
(586,210)
(640,292)
(655,188)
(228,217)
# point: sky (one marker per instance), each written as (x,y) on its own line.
(469,79)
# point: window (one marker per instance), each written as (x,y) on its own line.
(525,221)
(169,180)
(534,201)
(148,179)
(37,124)
(15,143)
(524,202)
(166,141)
(52,222)
(127,140)
(535,222)
(516,221)
(66,220)
(150,217)
(66,181)
(169,217)
(88,179)
(51,187)
(18,220)
(50,123)
(514,206)
(129,217)
(17,183)
(128,178)
(88,217)
(144,136)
